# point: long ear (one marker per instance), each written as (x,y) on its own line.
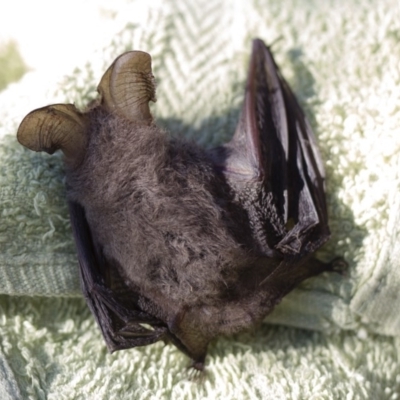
(58,126)
(128,86)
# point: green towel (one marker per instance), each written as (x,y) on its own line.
(343,61)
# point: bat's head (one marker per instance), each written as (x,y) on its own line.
(125,90)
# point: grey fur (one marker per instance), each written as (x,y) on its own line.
(158,209)
(192,243)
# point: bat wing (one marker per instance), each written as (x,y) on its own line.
(114,305)
(273,162)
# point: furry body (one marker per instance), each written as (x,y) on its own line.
(173,228)
(178,243)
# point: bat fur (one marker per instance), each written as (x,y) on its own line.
(203,250)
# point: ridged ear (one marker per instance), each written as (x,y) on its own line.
(128,86)
(58,126)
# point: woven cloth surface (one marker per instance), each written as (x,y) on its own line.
(342,60)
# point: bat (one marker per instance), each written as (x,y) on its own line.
(176,242)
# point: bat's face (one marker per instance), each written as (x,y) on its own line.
(190,242)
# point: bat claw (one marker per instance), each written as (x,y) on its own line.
(196,372)
(339,265)
(197,366)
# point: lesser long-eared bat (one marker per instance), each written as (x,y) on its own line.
(176,242)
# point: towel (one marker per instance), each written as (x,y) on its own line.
(334,336)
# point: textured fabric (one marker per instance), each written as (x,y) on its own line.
(342,60)
(56,352)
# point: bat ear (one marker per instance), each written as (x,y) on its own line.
(58,126)
(128,85)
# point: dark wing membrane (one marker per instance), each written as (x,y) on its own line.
(113,304)
(274,154)
(307,204)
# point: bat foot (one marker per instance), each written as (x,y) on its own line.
(338,265)
(197,365)
(196,372)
